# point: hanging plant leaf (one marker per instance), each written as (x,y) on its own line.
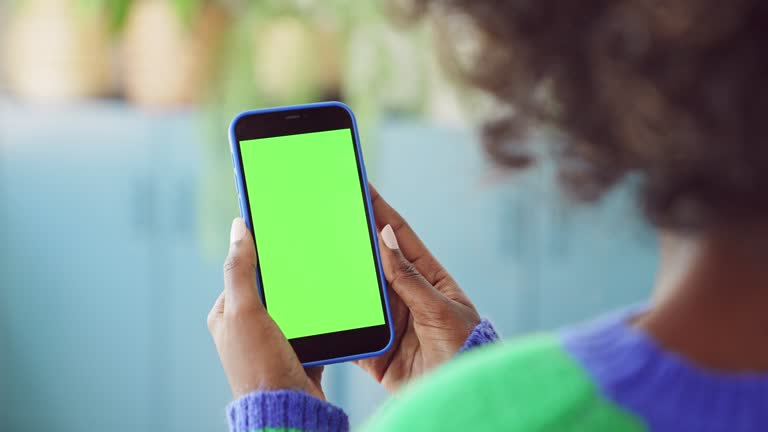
(188,10)
(117,13)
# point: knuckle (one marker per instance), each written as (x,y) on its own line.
(233,263)
(440,275)
(405,272)
(438,311)
(239,268)
(244,308)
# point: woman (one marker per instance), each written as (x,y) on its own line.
(670,94)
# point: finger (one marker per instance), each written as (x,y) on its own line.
(412,247)
(315,374)
(216,311)
(240,268)
(410,285)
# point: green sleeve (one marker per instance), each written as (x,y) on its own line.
(532,385)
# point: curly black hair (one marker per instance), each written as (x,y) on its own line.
(672,92)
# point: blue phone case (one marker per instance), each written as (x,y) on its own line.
(245,214)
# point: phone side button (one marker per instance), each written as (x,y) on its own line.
(240,204)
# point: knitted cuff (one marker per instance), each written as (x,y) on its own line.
(483,334)
(285,409)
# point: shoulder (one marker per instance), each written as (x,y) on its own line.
(531,384)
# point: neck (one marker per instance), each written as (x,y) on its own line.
(711,299)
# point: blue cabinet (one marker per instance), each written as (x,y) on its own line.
(103,290)
(195,387)
(77,260)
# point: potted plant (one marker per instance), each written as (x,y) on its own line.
(168,50)
(56,51)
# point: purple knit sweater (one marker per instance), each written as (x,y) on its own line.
(290,409)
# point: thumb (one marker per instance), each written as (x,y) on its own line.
(418,294)
(240,268)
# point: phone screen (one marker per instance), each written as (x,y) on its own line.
(315,253)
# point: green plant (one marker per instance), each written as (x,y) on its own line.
(117,11)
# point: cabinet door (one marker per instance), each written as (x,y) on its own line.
(198,390)
(77,271)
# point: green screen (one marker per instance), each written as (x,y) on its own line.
(317,266)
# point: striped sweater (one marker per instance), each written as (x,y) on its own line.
(605,376)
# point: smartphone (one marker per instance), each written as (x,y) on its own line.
(303,192)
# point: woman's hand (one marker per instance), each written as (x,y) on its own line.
(254,352)
(431,315)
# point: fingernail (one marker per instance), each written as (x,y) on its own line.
(388,235)
(237,232)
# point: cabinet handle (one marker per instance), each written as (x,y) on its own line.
(144,207)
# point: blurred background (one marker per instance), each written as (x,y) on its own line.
(116,195)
